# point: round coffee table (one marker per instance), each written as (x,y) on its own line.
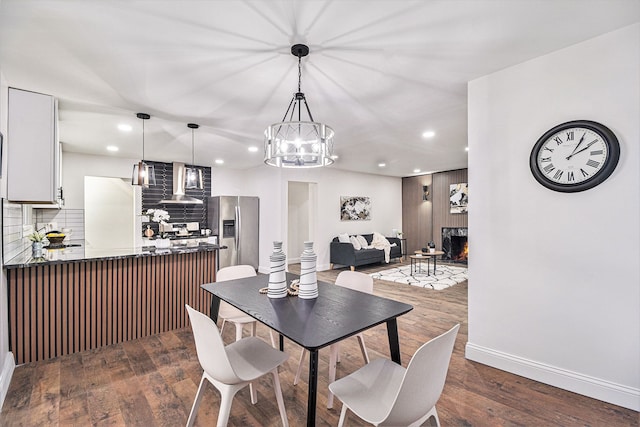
(428,255)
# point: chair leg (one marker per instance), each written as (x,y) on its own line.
(432,413)
(239,331)
(343,415)
(331,266)
(273,340)
(278,390)
(196,403)
(300,362)
(363,348)
(353,268)
(335,349)
(253,328)
(224,322)
(226,399)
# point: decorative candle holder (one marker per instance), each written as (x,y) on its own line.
(308,278)
(277,276)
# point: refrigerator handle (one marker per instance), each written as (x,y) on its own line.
(237,234)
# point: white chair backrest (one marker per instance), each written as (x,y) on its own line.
(235,272)
(356,281)
(210,348)
(424,379)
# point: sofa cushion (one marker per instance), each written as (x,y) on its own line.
(343,238)
(355,242)
(363,242)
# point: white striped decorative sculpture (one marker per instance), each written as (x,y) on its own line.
(277,276)
(308,278)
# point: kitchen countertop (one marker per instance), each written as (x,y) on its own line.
(87,253)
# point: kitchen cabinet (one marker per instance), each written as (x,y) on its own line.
(33,167)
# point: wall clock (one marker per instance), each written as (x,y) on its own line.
(574,156)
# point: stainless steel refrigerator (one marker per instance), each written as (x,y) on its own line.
(235,220)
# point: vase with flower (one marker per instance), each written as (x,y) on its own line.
(159,216)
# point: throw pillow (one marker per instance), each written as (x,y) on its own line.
(363,242)
(355,243)
(344,238)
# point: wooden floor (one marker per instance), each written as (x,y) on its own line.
(152,381)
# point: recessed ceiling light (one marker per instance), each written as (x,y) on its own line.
(219,161)
(429,134)
(381,165)
(124,127)
(112,148)
(466,148)
(416,171)
(253,149)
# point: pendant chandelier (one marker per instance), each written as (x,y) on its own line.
(298,143)
(193,177)
(143,174)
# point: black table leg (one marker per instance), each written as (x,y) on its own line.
(434,265)
(213,310)
(394,344)
(313,388)
(281,341)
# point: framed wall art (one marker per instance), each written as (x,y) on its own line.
(458,198)
(355,208)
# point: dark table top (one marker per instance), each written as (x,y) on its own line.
(337,313)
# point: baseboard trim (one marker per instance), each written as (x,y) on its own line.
(5,377)
(586,385)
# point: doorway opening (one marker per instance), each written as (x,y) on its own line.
(301,217)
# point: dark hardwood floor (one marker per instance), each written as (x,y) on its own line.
(152,381)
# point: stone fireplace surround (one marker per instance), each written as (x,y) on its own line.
(453,239)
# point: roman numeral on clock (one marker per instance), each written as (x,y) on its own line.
(558,174)
(584,172)
(558,140)
(595,153)
(593,163)
(570,176)
(550,149)
(545,159)
(549,168)
(570,136)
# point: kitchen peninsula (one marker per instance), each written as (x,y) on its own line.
(80,298)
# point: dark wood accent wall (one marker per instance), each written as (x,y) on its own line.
(60,309)
(422,221)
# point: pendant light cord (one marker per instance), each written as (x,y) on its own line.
(143,140)
(193,155)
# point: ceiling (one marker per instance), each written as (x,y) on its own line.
(380,72)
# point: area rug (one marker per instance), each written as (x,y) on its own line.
(446,276)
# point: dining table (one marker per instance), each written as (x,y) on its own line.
(335,314)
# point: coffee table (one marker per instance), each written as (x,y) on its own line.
(429,255)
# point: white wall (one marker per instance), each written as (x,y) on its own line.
(271,185)
(76,166)
(554,292)
(7,363)
(298,219)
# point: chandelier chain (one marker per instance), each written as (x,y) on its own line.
(299,72)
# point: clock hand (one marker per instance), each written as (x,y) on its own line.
(588,145)
(577,146)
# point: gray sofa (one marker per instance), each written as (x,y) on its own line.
(346,254)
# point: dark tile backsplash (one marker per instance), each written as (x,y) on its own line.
(163,189)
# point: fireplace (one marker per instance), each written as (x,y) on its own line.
(455,245)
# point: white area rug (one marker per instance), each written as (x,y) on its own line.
(446,275)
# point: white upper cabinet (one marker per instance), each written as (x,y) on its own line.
(33,149)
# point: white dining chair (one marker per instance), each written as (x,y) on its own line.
(384,393)
(233,367)
(352,280)
(229,313)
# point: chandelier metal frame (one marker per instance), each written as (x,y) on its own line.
(298,143)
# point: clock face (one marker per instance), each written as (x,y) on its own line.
(574,156)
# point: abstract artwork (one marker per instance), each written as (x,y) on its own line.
(458,198)
(355,208)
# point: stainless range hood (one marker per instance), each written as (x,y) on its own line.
(179,197)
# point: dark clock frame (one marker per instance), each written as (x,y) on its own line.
(613,146)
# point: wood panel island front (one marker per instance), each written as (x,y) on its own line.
(80,299)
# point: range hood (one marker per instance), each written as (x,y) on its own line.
(179,197)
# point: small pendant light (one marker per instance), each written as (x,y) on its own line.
(193,177)
(143,174)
